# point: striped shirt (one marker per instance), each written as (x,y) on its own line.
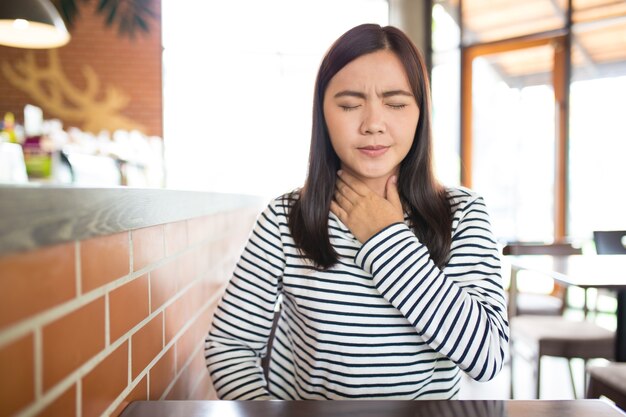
(383,323)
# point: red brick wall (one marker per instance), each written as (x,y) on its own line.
(97,323)
(131,66)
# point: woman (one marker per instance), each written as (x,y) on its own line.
(390,283)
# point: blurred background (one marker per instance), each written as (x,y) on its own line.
(216,96)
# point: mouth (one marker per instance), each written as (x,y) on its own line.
(373,150)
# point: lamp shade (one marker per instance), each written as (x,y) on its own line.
(33,24)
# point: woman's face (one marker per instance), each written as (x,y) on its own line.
(371,115)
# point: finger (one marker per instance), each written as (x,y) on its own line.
(337,211)
(342,201)
(345,190)
(353,182)
(391,192)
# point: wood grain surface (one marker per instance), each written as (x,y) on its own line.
(32,217)
(452,408)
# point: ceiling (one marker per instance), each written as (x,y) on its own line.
(598,41)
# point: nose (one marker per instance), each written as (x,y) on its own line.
(373,120)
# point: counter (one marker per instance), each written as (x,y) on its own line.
(36,216)
(107,294)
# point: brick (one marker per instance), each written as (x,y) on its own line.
(162,374)
(187,270)
(207,316)
(188,342)
(212,290)
(163,284)
(197,369)
(188,378)
(105,382)
(181,388)
(128,306)
(34,281)
(64,405)
(204,257)
(180,311)
(194,336)
(204,391)
(148,246)
(99,46)
(17,375)
(147,343)
(200,229)
(139,393)
(104,259)
(71,341)
(175,237)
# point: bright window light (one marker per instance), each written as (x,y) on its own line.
(238,88)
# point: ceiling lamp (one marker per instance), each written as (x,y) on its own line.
(33,24)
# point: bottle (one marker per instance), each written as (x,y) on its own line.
(8,129)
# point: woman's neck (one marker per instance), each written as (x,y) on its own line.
(377,185)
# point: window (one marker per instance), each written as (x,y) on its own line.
(514,142)
(597,149)
(238,88)
(541,133)
(446,92)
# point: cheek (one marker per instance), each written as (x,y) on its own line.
(331,122)
(406,129)
(403,131)
(338,129)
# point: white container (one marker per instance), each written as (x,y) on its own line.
(12,166)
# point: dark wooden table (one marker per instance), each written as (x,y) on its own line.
(453,408)
(584,271)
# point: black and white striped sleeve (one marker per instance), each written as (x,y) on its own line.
(241,326)
(460,310)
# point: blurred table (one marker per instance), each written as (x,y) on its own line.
(584,271)
(367,408)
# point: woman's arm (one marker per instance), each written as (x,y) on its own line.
(243,320)
(459,311)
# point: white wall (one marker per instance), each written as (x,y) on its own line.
(238,88)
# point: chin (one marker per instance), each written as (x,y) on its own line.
(374,174)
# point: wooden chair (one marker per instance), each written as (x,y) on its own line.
(609,381)
(607,242)
(559,337)
(610,242)
(540,304)
(553,335)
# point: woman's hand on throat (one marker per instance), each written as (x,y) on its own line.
(363,211)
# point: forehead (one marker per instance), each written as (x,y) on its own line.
(379,70)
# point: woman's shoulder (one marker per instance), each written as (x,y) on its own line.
(461,197)
(281,205)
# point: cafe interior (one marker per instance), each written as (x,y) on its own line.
(140,140)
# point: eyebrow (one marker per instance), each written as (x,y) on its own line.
(358,94)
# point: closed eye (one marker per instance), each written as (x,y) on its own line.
(397,106)
(349,108)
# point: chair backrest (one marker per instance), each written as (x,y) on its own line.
(540,248)
(610,242)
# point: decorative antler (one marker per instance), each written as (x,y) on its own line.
(52,90)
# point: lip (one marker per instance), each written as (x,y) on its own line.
(373,151)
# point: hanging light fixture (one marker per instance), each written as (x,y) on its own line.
(33,24)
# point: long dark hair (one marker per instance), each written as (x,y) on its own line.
(422,196)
